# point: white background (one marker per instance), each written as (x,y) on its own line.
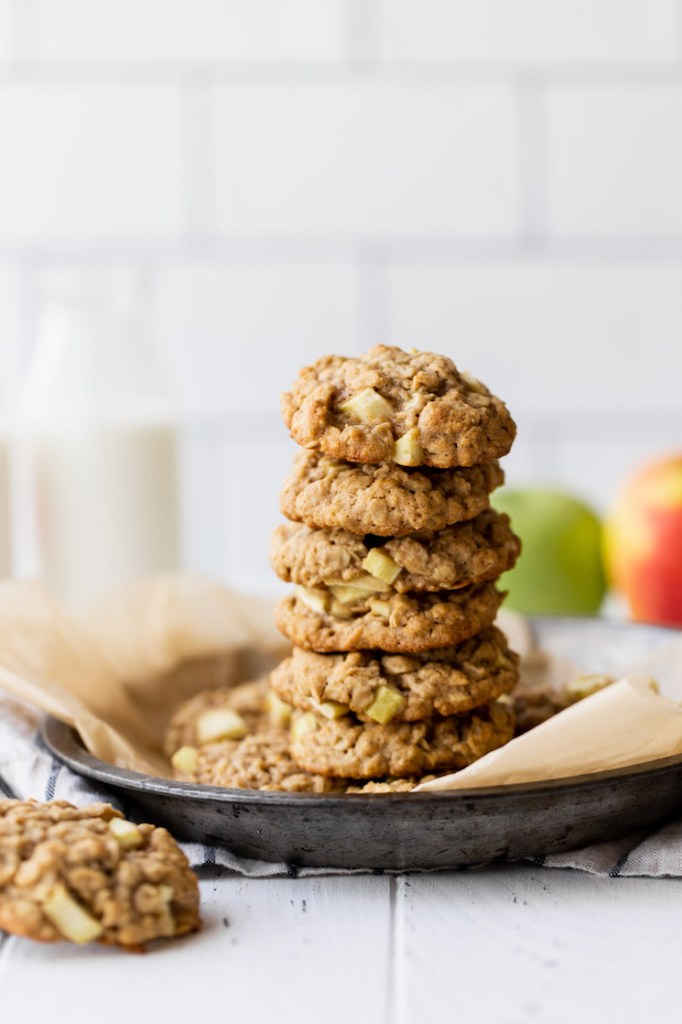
(499,180)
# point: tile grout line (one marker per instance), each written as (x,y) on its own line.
(361,65)
(197,246)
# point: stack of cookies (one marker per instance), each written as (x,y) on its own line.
(397,665)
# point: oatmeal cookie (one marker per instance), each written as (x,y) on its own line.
(399,623)
(473,552)
(261,761)
(380,687)
(85,874)
(389,785)
(413,408)
(386,500)
(249,701)
(348,748)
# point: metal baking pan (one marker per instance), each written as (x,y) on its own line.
(407,831)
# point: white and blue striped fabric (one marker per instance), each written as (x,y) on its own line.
(27,769)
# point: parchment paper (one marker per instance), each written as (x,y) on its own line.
(117,669)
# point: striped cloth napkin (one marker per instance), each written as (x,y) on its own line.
(27,769)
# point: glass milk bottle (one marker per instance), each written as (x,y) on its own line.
(104,445)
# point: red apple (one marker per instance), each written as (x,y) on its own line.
(643,542)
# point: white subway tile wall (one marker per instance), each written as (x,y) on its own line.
(95,161)
(498,180)
(366,159)
(614,159)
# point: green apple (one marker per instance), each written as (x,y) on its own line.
(560,571)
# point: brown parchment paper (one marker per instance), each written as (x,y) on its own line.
(117,669)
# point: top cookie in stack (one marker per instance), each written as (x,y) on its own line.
(397,664)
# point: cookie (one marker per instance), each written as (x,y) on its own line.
(261,761)
(348,748)
(380,687)
(411,408)
(265,763)
(188,726)
(398,623)
(458,555)
(386,500)
(388,785)
(85,874)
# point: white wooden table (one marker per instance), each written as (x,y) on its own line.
(503,945)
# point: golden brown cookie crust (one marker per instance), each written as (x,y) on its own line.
(386,500)
(465,553)
(388,785)
(458,422)
(448,681)
(351,749)
(414,622)
(135,894)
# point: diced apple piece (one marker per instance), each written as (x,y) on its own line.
(332,709)
(586,684)
(367,406)
(366,583)
(379,607)
(387,703)
(279,712)
(127,833)
(220,724)
(185,760)
(316,600)
(472,383)
(306,723)
(69,918)
(381,565)
(407,451)
(166,893)
(348,593)
(501,660)
(340,611)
